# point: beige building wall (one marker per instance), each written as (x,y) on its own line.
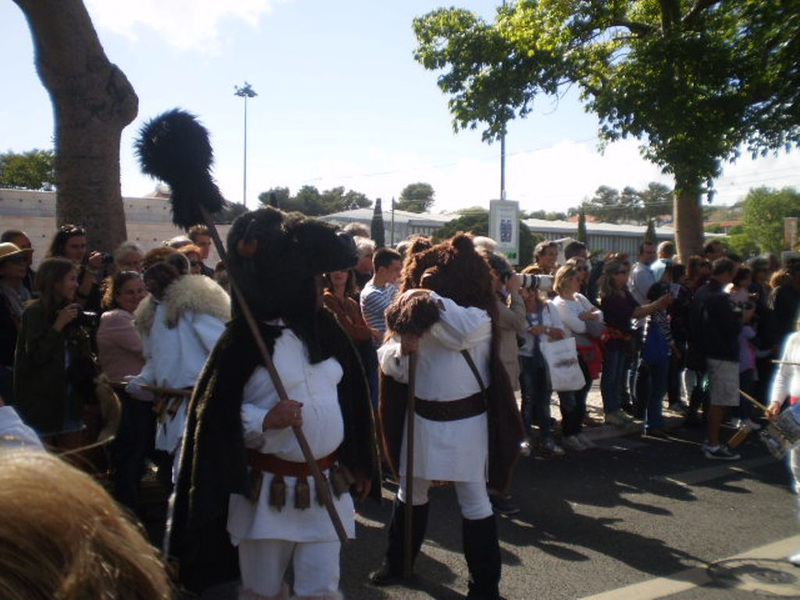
(148,220)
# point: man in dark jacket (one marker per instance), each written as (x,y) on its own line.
(717,325)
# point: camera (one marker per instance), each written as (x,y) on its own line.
(88,319)
(536,282)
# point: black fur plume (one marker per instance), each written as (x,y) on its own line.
(174,147)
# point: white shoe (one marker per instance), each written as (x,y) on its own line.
(550,448)
(573,442)
(525,447)
(585,440)
(749,423)
(618,418)
(794,559)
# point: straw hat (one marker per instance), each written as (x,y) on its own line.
(7,250)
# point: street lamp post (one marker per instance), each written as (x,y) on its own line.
(246,91)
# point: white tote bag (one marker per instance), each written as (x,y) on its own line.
(562,364)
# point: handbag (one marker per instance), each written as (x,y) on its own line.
(562,365)
(591,351)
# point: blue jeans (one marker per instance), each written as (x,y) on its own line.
(653,411)
(611,380)
(535,396)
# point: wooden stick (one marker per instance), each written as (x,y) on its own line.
(408,542)
(785,362)
(323,490)
(749,398)
(166,391)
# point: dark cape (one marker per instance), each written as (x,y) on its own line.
(506,430)
(214,464)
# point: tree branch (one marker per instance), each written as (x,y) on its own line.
(641,29)
(699,7)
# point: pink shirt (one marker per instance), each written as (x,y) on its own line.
(119,345)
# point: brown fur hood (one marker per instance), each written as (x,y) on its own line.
(189,293)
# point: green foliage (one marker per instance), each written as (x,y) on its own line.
(311,202)
(582,235)
(694,81)
(477,223)
(32,170)
(764,211)
(416,197)
(376,229)
(630,206)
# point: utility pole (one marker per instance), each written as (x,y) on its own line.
(246,91)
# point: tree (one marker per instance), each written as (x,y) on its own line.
(377,231)
(230,211)
(92,103)
(280,195)
(477,223)
(416,197)
(582,235)
(694,81)
(656,200)
(311,202)
(764,211)
(32,170)
(650,232)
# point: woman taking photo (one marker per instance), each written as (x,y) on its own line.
(619,307)
(120,352)
(53,375)
(70,242)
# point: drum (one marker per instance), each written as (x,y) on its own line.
(783,434)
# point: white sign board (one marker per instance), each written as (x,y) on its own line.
(504,228)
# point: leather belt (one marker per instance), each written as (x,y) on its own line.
(453,410)
(286,468)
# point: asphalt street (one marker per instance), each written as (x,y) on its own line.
(635,518)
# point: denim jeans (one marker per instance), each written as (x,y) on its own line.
(573,405)
(535,396)
(653,411)
(611,380)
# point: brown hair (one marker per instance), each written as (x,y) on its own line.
(608,286)
(64,233)
(564,273)
(114,285)
(70,540)
(51,272)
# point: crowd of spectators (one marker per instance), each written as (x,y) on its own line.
(655,331)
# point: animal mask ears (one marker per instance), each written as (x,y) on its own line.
(247,246)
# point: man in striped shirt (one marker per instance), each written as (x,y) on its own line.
(379,291)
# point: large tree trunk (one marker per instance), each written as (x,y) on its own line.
(688,221)
(92,103)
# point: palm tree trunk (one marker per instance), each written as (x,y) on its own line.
(93,102)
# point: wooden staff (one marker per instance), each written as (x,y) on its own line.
(752,400)
(166,391)
(408,542)
(323,491)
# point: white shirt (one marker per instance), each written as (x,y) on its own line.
(570,311)
(174,358)
(323,426)
(550,318)
(447,450)
(787,376)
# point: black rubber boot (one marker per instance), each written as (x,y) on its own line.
(391,571)
(482,551)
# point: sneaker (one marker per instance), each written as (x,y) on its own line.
(586,441)
(749,423)
(573,442)
(794,559)
(618,419)
(502,505)
(720,452)
(550,448)
(525,447)
(679,407)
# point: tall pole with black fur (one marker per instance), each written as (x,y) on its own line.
(408,542)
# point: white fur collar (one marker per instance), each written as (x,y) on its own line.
(195,293)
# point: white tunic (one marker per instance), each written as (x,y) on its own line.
(447,450)
(314,386)
(175,357)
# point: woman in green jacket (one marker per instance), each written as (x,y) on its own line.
(53,367)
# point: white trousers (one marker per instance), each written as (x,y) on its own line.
(263,564)
(472,496)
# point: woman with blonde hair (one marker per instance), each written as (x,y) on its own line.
(70,540)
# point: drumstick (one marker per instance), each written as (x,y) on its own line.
(785,362)
(749,398)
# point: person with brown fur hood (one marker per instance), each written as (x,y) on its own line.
(467,424)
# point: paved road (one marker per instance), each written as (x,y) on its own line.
(636,518)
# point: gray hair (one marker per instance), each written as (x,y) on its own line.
(126,248)
(364,246)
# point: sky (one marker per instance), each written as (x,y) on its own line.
(341,102)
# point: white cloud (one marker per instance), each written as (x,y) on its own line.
(186,24)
